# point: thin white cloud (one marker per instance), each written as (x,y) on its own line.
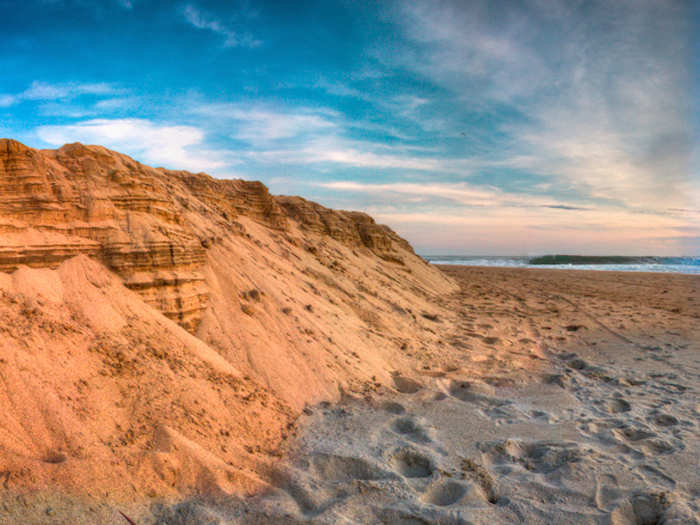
(116,103)
(176,147)
(463,218)
(206,21)
(512,231)
(55,109)
(310,136)
(460,193)
(7,100)
(262,126)
(45,91)
(71,109)
(358,154)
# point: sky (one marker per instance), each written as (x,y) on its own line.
(469,127)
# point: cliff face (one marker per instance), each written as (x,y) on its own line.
(87,200)
(348,227)
(145,281)
(150,226)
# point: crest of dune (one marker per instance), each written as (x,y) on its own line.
(160,330)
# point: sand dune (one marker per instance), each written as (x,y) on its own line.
(162,331)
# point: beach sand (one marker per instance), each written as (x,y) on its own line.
(552,396)
(556,397)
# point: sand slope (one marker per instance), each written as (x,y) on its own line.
(544,412)
(161,331)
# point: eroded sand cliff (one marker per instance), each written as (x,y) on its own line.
(160,331)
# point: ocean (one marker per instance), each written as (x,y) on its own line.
(687,265)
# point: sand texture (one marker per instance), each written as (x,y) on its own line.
(557,397)
(161,332)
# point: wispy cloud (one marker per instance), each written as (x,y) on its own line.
(308,136)
(511,230)
(177,147)
(606,108)
(204,20)
(42,91)
(100,108)
(462,194)
(339,151)
(261,126)
(7,100)
(45,91)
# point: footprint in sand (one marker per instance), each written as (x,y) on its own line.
(331,467)
(437,396)
(577,364)
(411,464)
(617,406)
(393,407)
(309,502)
(652,508)
(542,416)
(565,380)
(473,392)
(478,474)
(656,447)
(410,429)
(653,475)
(444,493)
(499,410)
(663,420)
(540,457)
(632,434)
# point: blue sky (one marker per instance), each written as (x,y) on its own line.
(476,127)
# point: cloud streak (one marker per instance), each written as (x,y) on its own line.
(262,126)
(43,91)
(176,147)
(201,19)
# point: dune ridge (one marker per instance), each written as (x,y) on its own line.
(162,330)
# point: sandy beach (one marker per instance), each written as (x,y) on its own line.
(551,396)
(556,397)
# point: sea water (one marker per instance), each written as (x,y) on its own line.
(688,265)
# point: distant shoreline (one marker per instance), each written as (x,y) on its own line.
(649,264)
